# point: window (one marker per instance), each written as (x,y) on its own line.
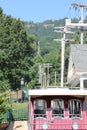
(57,106)
(40,108)
(74,108)
(85,84)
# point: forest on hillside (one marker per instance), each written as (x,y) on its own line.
(45,34)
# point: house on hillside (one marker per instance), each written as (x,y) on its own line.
(77,70)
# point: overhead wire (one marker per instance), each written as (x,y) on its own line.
(78,10)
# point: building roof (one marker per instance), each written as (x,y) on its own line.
(79,57)
(57,92)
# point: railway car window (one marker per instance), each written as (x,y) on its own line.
(57,106)
(40,107)
(74,108)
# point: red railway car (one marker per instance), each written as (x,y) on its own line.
(57,109)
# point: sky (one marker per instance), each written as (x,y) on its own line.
(40,10)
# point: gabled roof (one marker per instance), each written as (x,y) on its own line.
(78,53)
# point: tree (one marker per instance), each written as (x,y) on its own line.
(3,105)
(16,52)
(34,70)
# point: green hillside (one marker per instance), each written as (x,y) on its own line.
(44,33)
(49,49)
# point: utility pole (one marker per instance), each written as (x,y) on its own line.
(39,74)
(55,78)
(81,25)
(38,48)
(48,66)
(44,80)
(63,40)
(48,75)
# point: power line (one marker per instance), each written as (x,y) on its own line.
(81,25)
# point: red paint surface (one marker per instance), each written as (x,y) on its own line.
(58,124)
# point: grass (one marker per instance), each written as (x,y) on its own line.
(19,105)
(18,111)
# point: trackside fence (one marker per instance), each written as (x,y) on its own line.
(15,115)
